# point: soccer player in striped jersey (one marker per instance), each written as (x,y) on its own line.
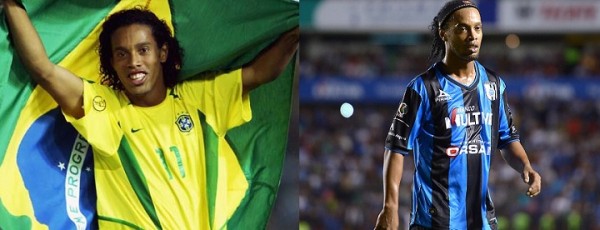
(452,118)
(149,133)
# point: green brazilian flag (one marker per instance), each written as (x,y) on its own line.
(37,146)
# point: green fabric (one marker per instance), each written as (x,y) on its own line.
(227,34)
(60,33)
(137,180)
(216,35)
(211,146)
(122,222)
(9,221)
(262,155)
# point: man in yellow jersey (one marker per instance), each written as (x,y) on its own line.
(144,127)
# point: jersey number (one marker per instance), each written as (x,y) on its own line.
(174,150)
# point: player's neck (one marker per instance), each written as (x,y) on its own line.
(460,70)
(149,99)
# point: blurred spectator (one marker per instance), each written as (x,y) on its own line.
(361,56)
(341,159)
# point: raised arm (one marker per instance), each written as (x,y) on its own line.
(271,61)
(393,165)
(515,156)
(63,86)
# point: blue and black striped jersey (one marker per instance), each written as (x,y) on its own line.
(452,130)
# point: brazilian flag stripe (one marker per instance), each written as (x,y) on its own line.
(215,35)
(211,146)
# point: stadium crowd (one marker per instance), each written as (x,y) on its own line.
(370,57)
(341,164)
(340,159)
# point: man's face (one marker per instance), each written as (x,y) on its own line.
(463,34)
(137,59)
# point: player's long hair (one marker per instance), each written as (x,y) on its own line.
(161,33)
(438,47)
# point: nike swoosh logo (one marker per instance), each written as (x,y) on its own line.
(135,130)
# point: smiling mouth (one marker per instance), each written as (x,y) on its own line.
(137,78)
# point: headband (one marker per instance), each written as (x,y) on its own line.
(451,7)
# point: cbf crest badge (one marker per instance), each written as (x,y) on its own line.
(490,90)
(184,123)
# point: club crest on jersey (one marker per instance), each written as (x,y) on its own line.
(490,90)
(184,123)
(443,96)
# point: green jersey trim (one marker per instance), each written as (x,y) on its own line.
(119,221)
(137,180)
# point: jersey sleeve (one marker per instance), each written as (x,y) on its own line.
(97,126)
(406,123)
(507,130)
(221,100)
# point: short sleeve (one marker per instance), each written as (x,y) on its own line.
(97,126)
(221,99)
(406,123)
(507,130)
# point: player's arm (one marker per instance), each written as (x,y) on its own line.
(271,61)
(393,165)
(63,86)
(515,156)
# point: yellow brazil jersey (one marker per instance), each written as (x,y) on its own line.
(150,161)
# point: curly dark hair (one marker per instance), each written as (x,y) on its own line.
(161,33)
(438,48)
